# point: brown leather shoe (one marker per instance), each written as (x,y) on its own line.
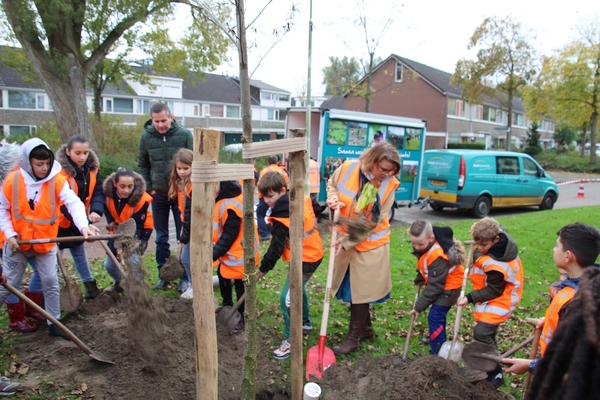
(368,333)
(352,341)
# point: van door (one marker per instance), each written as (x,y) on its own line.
(509,181)
(532,188)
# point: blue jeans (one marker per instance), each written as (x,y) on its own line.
(113,270)
(81,263)
(162,206)
(286,311)
(35,283)
(185,260)
(437,327)
(261,213)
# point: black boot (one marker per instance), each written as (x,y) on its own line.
(495,377)
(53,330)
(352,341)
(368,333)
(91,290)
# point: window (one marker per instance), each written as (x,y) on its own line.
(272,114)
(41,101)
(479,112)
(123,105)
(508,165)
(108,106)
(21,99)
(15,130)
(216,110)
(518,119)
(233,111)
(456,107)
(1,100)
(398,71)
(282,115)
(266,95)
(205,109)
(530,167)
(196,109)
(283,97)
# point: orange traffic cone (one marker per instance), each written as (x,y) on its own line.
(580,192)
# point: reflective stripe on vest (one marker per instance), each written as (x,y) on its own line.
(64,221)
(347,187)
(499,309)
(17,214)
(313,176)
(128,211)
(455,273)
(552,318)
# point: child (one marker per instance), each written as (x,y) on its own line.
(30,209)
(80,167)
(181,187)
(125,197)
(272,186)
(440,268)
(577,248)
(556,286)
(497,277)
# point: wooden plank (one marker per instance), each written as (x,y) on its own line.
(297,177)
(213,172)
(267,148)
(206,149)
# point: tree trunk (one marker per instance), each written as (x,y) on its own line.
(583,139)
(97,103)
(509,121)
(368,95)
(251,349)
(594,123)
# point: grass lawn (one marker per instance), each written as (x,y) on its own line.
(534,232)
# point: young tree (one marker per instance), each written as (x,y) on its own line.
(533,140)
(564,136)
(341,75)
(53,35)
(503,66)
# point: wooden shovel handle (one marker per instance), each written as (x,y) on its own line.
(63,270)
(66,239)
(114,259)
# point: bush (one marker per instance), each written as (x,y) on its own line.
(467,145)
(533,150)
(567,161)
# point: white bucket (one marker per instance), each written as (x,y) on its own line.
(312,391)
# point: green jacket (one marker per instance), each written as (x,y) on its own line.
(155,156)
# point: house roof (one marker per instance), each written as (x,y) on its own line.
(11,77)
(333,103)
(265,86)
(441,80)
(213,88)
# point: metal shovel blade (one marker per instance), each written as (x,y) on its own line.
(229,316)
(71,297)
(318,359)
(451,351)
(480,356)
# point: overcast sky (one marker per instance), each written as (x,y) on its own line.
(434,32)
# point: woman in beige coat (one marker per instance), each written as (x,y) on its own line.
(363,189)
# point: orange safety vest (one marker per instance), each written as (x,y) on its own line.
(499,309)
(312,245)
(347,187)
(455,274)
(551,322)
(181,198)
(40,223)
(64,221)
(314,176)
(276,168)
(232,263)
(128,211)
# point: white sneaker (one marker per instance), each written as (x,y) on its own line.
(189,293)
(283,351)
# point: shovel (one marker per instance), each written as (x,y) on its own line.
(452,350)
(96,356)
(484,357)
(320,357)
(70,295)
(412,321)
(229,316)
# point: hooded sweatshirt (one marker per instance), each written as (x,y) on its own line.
(33,186)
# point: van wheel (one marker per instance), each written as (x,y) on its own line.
(435,206)
(481,207)
(548,201)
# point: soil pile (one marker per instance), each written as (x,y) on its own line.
(167,369)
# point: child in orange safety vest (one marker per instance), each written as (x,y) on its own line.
(273,188)
(497,277)
(440,269)
(577,248)
(125,197)
(30,202)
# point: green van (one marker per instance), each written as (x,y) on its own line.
(482,179)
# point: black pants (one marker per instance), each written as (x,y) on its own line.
(226,288)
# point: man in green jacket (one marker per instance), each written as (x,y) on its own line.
(162,137)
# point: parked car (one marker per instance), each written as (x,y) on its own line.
(480,180)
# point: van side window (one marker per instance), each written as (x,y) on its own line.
(530,168)
(508,165)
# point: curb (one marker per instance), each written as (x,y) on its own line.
(578,181)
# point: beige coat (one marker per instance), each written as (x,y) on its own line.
(370,276)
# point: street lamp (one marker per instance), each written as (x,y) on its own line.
(207,116)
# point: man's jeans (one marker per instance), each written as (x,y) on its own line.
(162,206)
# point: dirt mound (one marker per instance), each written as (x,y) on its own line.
(390,377)
(105,326)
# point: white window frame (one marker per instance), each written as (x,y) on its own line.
(399,71)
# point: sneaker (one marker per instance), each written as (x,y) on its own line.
(496,380)
(425,340)
(183,286)
(265,238)
(189,293)
(115,287)
(283,351)
(8,388)
(239,328)
(53,330)
(160,285)
(307,325)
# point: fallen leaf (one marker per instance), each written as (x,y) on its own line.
(23,369)
(84,387)
(436,385)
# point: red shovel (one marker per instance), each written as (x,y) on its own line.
(319,357)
